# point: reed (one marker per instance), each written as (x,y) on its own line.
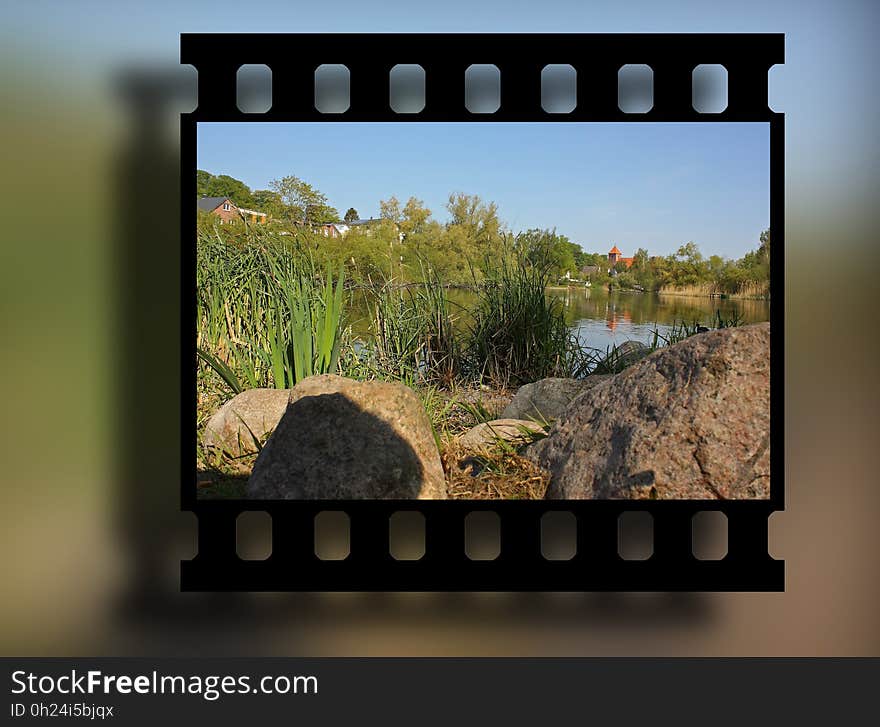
(265,316)
(749,289)
(413,332)
(519,334)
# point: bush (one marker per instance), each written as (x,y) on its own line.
(519,334)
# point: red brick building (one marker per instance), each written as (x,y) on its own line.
(228,211)
(616,256)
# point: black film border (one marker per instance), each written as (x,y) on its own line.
(520,566)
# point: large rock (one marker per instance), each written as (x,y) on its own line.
(691,421)
(487,434)
(547,399)
(250,415)
(352,440)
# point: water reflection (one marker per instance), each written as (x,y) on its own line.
(602,319)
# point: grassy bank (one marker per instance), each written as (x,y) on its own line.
(268,316)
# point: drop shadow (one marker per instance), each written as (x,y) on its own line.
(151,614)
(326,447)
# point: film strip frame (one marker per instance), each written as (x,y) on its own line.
(520,566)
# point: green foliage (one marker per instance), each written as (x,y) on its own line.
(312,345)
(351,214)
(406,236)
(209,185)
(474,228)
(265,200)
(413,333)
(266,317)
(221,369)
(519,334)
(557,251)
(303,202)
(689,270)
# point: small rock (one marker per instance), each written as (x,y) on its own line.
(547,399)
(250,415)
(350,440)
(691,421)
(487,434)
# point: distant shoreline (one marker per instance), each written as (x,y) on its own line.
(677,293)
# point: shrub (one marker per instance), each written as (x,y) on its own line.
(519,334)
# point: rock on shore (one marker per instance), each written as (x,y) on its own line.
(250,415)
(691,421)
(487,434)
(547,399)
(346,439)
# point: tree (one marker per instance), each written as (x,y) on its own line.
(764,248)
(425,241)
(203,182)
(478,217)
(265,200)
(351,215)
(546,249)
(620,267)
(389,209)
(580,257)
(689,253)
(415,217)
(688,267)
(209,185)
(595,259)
(303,201)
(475,223)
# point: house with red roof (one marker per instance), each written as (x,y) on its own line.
(616,256)
(228,211)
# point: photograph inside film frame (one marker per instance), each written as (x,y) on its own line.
(483,311)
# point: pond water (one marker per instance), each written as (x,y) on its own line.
(601,319)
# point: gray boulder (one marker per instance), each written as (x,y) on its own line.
(250,415)
(691,421)
(547,399)
(487,434)
(350,440)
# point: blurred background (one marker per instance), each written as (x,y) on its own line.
(92,534)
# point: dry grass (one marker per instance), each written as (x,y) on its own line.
(496,473)
(760,291)
(463,407)
(502,473)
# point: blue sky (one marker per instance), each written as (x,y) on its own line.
(648,185)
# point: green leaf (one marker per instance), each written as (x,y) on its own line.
(222,370)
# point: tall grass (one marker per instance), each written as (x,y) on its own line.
(413,334)
(266,316)
(519,334)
